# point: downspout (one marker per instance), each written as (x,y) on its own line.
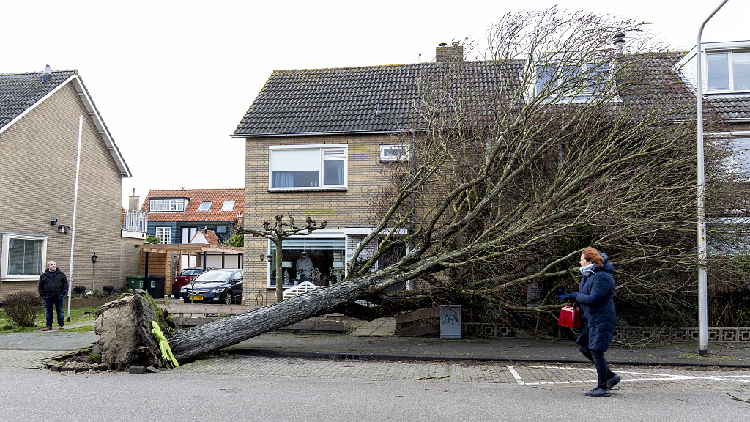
(75,204)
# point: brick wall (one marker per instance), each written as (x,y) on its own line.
(340,209)
(38,156)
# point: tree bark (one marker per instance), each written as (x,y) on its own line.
(189,344)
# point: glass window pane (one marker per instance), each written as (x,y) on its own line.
(544,75)
(333,172)
(294,179)
(204,206)
(227,206)
(718,70)
(24,257)
(741,71)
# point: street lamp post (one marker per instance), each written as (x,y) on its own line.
(702,276)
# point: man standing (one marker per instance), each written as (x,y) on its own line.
(53,285)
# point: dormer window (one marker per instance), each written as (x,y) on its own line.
(205,206)
(167,205)
(574,81)
(728,71)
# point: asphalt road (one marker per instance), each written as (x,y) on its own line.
(231,388)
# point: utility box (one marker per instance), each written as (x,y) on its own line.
(450,321)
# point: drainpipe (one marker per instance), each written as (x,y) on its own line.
(75,203)
(702,276)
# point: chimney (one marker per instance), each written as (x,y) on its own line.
(47,74)
(619,41)
(446,53)
(133,202)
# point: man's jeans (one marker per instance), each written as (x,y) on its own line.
(57,302)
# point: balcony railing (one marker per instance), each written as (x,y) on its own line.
(135,221)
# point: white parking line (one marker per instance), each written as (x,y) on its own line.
(633,376)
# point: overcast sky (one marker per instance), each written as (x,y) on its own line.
(173,79)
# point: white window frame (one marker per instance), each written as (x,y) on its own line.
(394,153)
(4,276)
(322,148)
(167,205)
(202,209)
(227,206)
(165,235)
(730,69)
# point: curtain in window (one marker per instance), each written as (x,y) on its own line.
(282,179)
(24,257)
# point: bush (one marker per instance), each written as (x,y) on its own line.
(22,308)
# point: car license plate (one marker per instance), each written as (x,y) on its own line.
(196,297)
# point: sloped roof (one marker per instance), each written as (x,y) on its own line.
(355,99)
(207,237)
(21,92)
(195,198)
(731,106)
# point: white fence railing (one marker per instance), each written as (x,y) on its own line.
(135,221)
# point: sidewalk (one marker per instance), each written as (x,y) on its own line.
(375,341)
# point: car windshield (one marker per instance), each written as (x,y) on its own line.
(191,272)
(215,276)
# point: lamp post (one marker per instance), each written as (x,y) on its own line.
(702,276)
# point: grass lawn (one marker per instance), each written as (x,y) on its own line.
(85,313)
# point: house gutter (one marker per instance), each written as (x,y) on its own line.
(702,276)
(288,135)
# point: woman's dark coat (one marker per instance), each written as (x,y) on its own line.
(595,294)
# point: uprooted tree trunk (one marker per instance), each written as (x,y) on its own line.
(124,327)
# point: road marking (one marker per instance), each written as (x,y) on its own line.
(648,376)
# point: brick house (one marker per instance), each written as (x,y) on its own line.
(316,144)
(175,216)
(39,134)
(318,139)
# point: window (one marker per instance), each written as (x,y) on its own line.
(394,153)
(728,71)
(164,234)
(740,161)
(221,229)
(188,233)
(22,256)
(205,206)
(577,80)
(319,260)
(308,167)
(227,206)
(167,205)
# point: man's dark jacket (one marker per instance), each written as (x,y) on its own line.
(53,284)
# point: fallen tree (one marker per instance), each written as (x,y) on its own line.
(556,142)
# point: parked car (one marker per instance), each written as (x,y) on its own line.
(222,285)
(185,277)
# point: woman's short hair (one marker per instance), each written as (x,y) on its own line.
(594,256)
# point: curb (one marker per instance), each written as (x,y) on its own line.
(392,358)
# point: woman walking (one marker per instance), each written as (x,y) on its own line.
(595,294)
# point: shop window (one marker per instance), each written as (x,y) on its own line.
(318,260)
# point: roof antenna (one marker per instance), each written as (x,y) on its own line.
(47,74)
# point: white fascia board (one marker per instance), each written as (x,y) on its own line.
(41,100)
(98,122)
(100,127)
(726,46)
